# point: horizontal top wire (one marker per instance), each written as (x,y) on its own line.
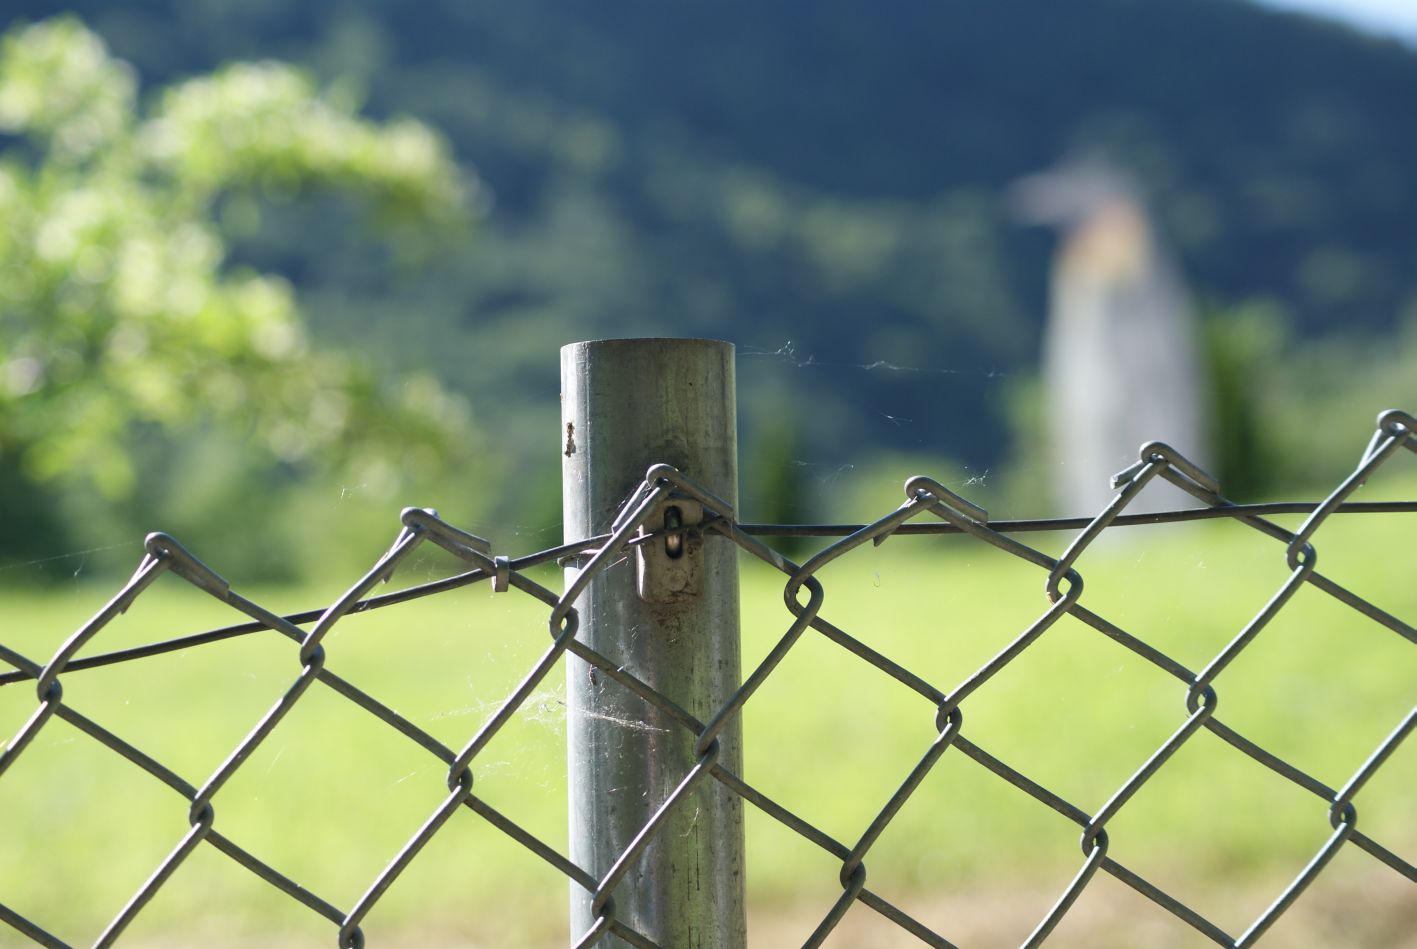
(1077,523)
(565,552)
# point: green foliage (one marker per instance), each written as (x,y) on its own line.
(1289,412)
(1332,389)
(1243,348)
(119,309)
(834,181)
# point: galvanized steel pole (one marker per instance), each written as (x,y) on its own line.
(627,404)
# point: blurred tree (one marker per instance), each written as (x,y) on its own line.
(1243,346)
(775,489)
(119,312)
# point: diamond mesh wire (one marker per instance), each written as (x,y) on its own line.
(929,507)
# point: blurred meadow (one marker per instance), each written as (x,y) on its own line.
(270,273)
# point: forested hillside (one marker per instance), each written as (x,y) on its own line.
(821,181)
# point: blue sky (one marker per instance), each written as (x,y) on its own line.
(1391,17)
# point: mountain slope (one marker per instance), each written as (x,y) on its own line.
(828,176)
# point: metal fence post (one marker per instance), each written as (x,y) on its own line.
(627,404)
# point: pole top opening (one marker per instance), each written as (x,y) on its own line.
(649,342)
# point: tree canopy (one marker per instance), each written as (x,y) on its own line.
(119,307)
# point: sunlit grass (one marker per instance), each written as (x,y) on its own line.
(333,794)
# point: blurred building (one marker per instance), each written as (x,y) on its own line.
(1121,362)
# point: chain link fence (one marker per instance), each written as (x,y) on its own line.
(929,508)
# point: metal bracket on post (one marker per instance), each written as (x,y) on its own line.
(670,566)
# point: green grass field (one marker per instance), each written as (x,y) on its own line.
(332,794)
